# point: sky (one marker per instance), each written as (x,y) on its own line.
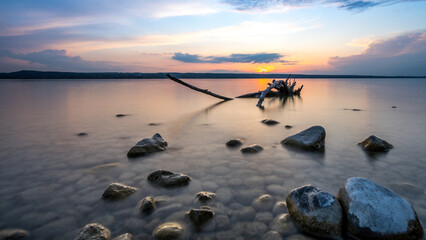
(365,37)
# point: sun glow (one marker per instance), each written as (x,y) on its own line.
(264,69)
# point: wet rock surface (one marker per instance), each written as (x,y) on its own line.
(200,216)
(126,236)
(254,148)
(269,122)
(235,142)
(312,138)
(168,179)
(148,145)
(375,144)
(116,191)
(375,212)
(315,211)
(205,196)
(93,231)
(168,231)
(14,234)
(147,205)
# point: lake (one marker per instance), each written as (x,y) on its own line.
(51,180)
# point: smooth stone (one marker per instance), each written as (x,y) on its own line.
(126,236)
(269,122)
(280,207)
(148,145)
(263,203)
(288,126)
(315,211)
(235,142)
(284,224)
(147,205)
(375,144)
(121,115)
(375,212)
(205,196)
(93,231)
(200,216)
(82,134)
(312,138)
(168,179)
(118,191)
(272,235)
(254,148)
(14,234)
(168,231)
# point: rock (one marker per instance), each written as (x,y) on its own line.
(279,207)
(235,142)
(126,236)
(288,126)
(393,106)
(154,124)
(168,231)
(310,139)
(263,203)
(272,235)
(200,216)
(121,115)
(147,205)
(375,144)
(82,134)
(353,109)
(205,196)
(168,179)
(148,145)
(254,148)
(118,191)
(269,122)
(375,212)
(284,224)
(14,234)
(93,231)
(315,211)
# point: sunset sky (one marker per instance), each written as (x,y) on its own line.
(379,37)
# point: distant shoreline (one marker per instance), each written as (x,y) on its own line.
(26,74)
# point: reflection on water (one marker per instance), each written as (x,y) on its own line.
(49,174)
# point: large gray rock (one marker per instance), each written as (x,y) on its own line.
(168,231)
(312,138)
(14,234)
(148,145)
(375,144)
(93,231)
(315,211)
(168,179)
(117,191)
(375,212)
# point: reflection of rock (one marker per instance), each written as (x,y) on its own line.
(148,145)
(310,139)
(147,205)
(126,236)
(168,179)
(117,191)
(235,142)
(200,216)
(93,231)
(374,212)
(315,211)
(168,231)
(375,144)
(269,122)
(254,148)
(14,234)
(205,196)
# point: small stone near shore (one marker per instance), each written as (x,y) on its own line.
(205,196)
(254,148)
(154,124)
(288,126)
(263,203)
(82,134)
(235,142)
(312,138)
(121,115)
(93,231)
(315,211)
(14,234)
(375,212)
(148,145)
(117,191)
(147,205)
(166,178)
(168,231)
(126,236)
(200,216)
(269,122)
(375,144)
(284,224)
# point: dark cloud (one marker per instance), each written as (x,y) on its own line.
(401,55)
(58,60)
(233,58)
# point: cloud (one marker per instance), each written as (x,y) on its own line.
(400,55)
(57,60)
(233,58)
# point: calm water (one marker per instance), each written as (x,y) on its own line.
(51,180)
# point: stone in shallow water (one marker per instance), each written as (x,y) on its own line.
(168,179)
(284,224)
(310,139)
(82,134)
(168,231)
(121,115)
(235,142)
(375,144)
(288,126)
(14,234)
(375,212)
(205,196)
(254,148)
(200,216)
(263,203)
(117,191)
(315,211)
(94,231)
(126,236)
(148,145)
(269,122)
(147,205)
